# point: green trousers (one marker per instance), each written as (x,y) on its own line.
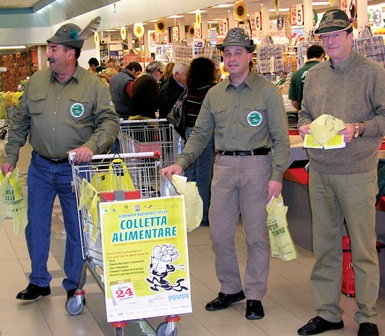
(352,197)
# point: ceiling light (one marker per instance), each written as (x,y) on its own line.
(194,12)
(13,47)
(281,10)
(174,16)
(320,3)
(223,6)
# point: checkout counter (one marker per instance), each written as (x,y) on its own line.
(296,196)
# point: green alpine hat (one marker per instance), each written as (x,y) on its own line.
(67,35)
(334,20)
(237,37)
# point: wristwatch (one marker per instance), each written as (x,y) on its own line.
(356,130)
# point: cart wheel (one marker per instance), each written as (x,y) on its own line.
(119,331)
(73,307)
(161,330)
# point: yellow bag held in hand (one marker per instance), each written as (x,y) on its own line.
(13,204)
(117,178)
(281,242)
(194,203)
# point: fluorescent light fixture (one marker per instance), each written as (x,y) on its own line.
(320,3)
(223,6)
(281,10)
(194,12)
(13,47)
(174,16)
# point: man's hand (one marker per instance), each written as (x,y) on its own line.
(348,132)
(7,168)
(274,188)
(304,129)
(82,154)
(170,170)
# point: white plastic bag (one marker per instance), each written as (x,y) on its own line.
(13,203)
(193,201)
(281,242)
(325,127)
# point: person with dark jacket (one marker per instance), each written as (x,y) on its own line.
(200,78)
(121,86)
(172,88)
(145,95)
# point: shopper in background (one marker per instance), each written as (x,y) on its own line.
(93,64)
(167,73)
(343,182)
(314,55)
(173,88)
(201,77)
(113,63)
(135,69)
(34,68)
(106,75)
(121,86)
(251,137)
(145,94)
(64,109)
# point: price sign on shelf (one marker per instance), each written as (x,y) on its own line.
(299,15)
(375,16)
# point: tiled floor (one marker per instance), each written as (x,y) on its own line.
(288,303)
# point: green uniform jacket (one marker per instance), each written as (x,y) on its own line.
(246,117)
(58,117)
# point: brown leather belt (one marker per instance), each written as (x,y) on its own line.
(258,151)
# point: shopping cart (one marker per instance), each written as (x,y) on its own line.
(151,135)
(121,178)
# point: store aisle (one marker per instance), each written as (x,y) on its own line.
(288,303)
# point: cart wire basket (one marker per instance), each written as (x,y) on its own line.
(153,135)
(116,177)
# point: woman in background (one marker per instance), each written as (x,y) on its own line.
(201,77)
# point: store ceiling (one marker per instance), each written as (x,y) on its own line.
(73,8)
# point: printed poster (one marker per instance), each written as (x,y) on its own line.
(146,270)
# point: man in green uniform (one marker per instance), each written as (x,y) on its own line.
(252,142)
(64,108)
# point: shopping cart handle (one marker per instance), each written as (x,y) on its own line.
(155,154)
(141,121)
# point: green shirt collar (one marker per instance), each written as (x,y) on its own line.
(248,81)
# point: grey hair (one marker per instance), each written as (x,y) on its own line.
(180,66)
(153,66)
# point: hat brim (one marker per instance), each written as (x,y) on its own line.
(249,48)
(69,43)
(330,29)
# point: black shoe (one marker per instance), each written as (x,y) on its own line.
(368,329)
(254,310)
(318,325)
(71,293)
(32,292)
(223,301)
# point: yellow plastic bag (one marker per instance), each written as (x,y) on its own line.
(325,127)
(13,202)
(117,178)
(194,203)
(281,242)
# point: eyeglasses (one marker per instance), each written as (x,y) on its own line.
(161,72)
